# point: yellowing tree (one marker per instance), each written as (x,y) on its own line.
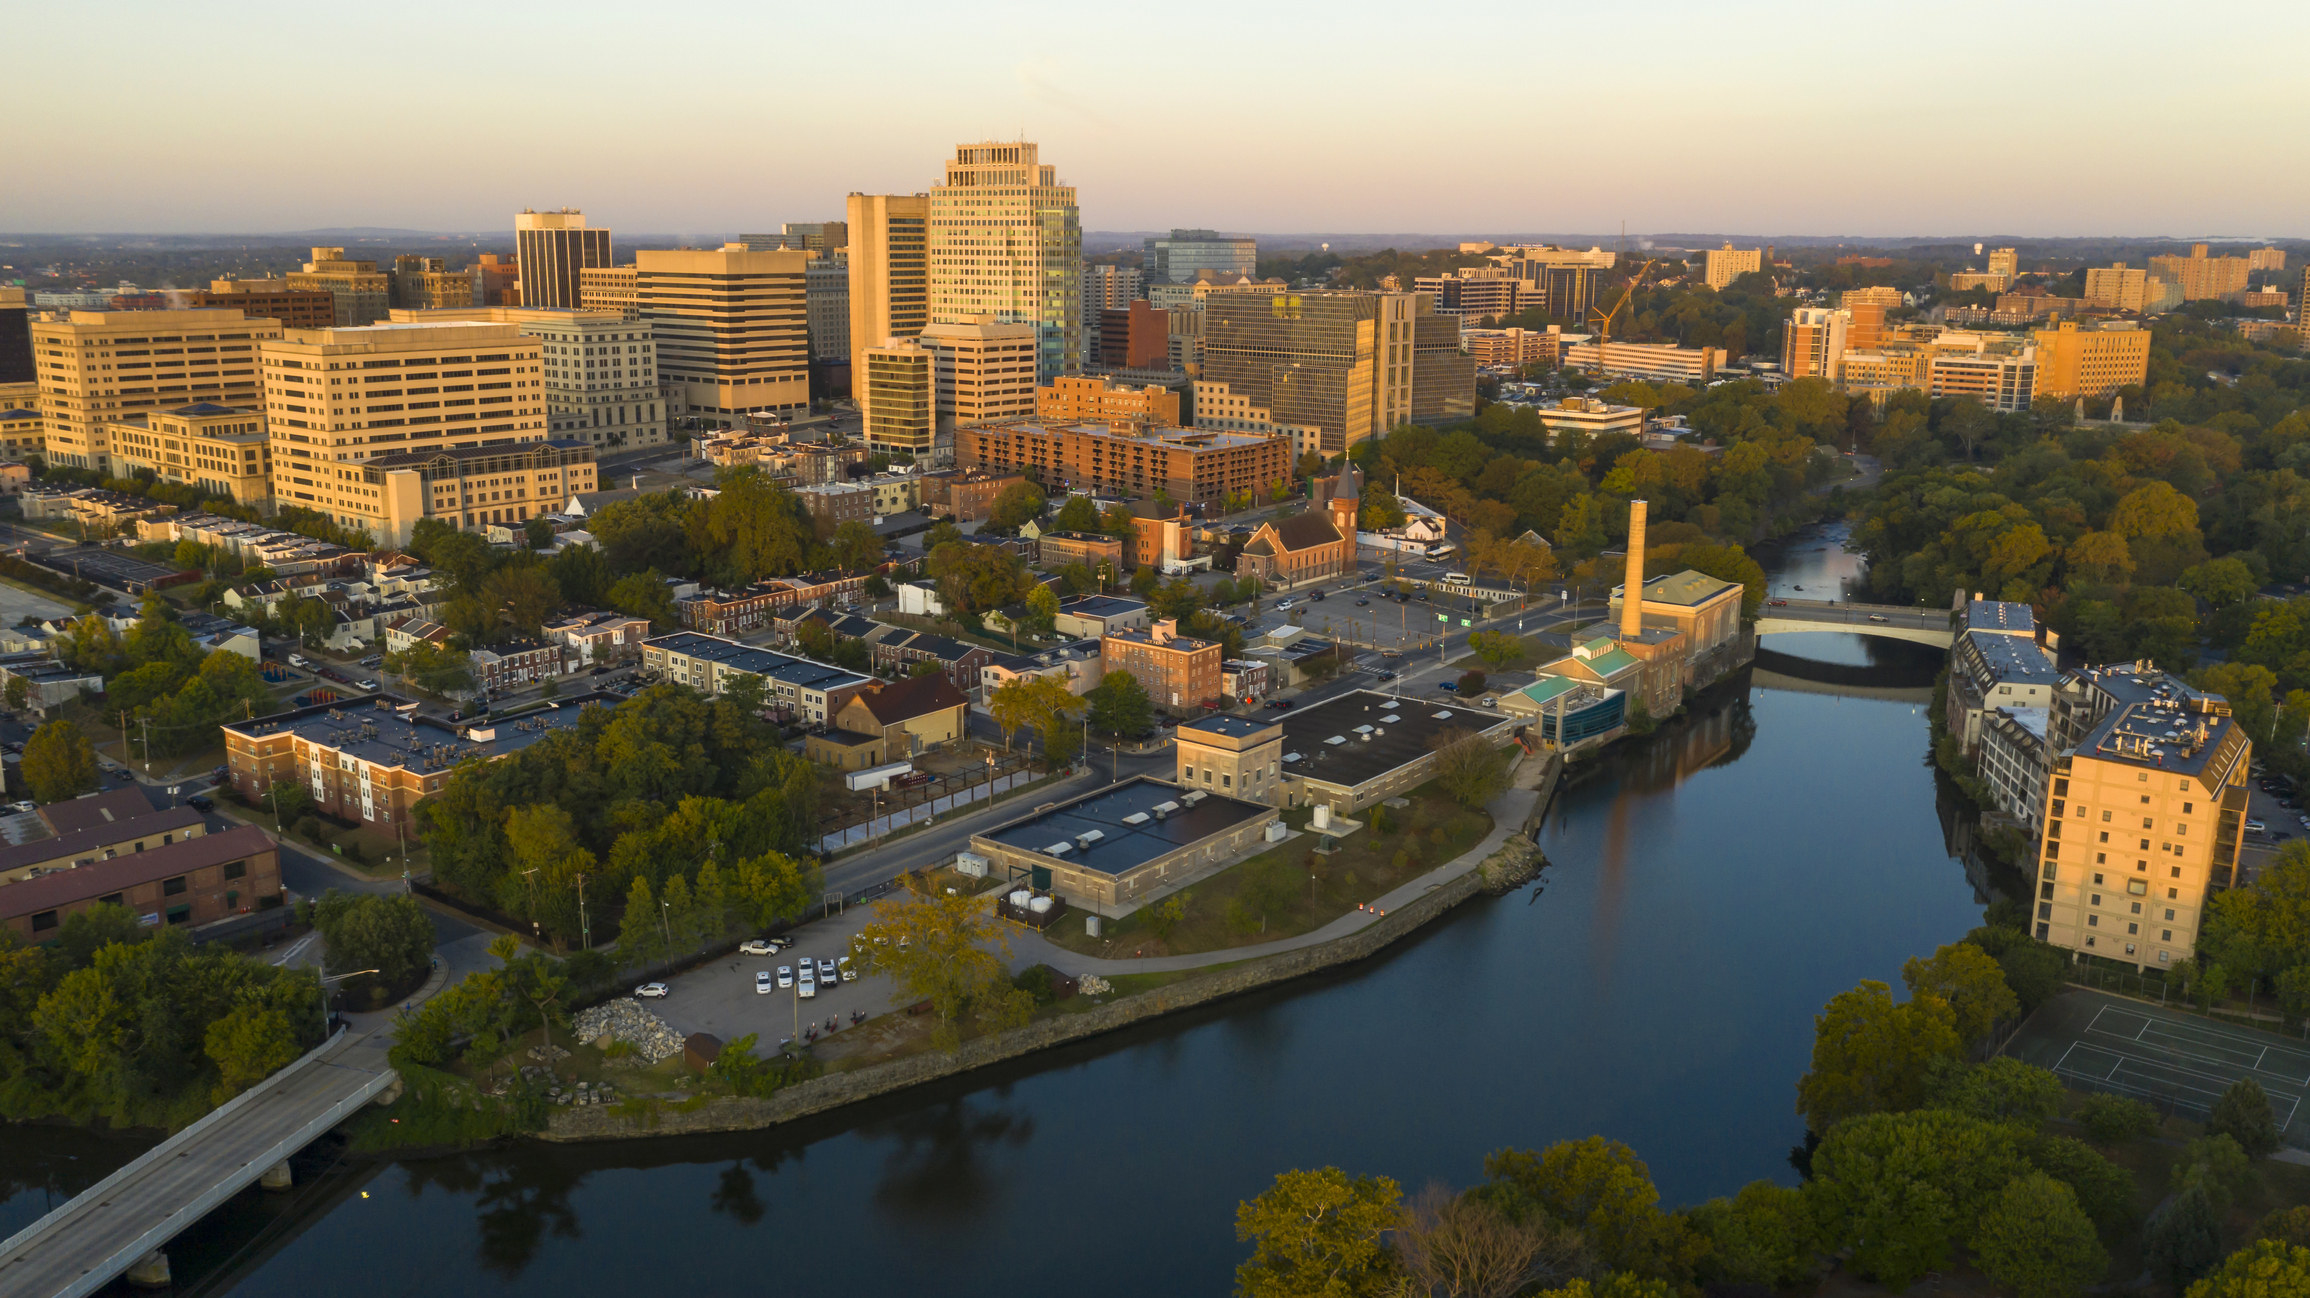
(949,951)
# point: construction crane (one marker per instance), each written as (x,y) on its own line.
(1603,319)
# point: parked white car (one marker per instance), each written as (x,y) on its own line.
(786,975)
(756,946)
(762,982)
(650,991)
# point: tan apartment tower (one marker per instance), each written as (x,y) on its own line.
(1632,609)
(889,275)
(551,248)
(1006,240)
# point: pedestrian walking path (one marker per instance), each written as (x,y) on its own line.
(1508,811)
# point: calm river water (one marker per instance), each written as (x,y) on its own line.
(1708,891)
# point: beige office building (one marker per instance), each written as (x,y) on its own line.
(985,371)
(1076,399)
(899,395)
(2075,360)
(889,275)
(335,398)
(1883,296)
(553,249)
(610,288)
(2006,262)
(220,449)
(425,284)
(732,325)
(363,293)
(1728,263)
(474,486)
(96,367)
(601,371)
(1006,241)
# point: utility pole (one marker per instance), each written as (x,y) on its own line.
(585,930)
(147,722)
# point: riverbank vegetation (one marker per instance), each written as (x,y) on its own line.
(117,1023)
(1292,888)
(1917,1160)
(669,796)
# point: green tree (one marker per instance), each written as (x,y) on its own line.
(2243,1114)
(1902,1189)
(2036,1242)
(1468,767)
(1042,609)
(1496,648)
(2220,582)
(391,934)
(1618,1284)
(248,1045)
(1320,1234)
(2112,1119)
(949,951)
(1969,981)
(538,532)
(855,546)
(644,594)
(1871,1055)
(2182,1238)
(1119,704)
(59,762)
(2003,1089)
(1079,514)
(1603,1190)
(1016,504)
(17,694)
(2286,1225)
(2104,1190)
(1764,1235)
(2266,1269)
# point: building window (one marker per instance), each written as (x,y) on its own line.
(180,914)
(235,869)
(43,920)
(173,887)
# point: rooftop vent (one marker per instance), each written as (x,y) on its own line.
(1444,716)
(1137,818)
(1336,739)
(1089,836)
(1058,849)
(1291,757)
(1191,799)
(1363,730)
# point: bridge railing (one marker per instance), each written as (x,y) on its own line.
(121,1259)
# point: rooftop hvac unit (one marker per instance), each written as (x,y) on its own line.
(1336,739)
(1192,798)
(1137,818)
(1363,729)
(1390,719)
(1165,808)
(1089,836)
(1444,716)
(1291,757)
(1060,848)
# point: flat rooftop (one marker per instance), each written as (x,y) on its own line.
(1233,727)
(2013,658)
(783,668)
(2000,615)
(1356,738)
(2162,724)
(1100,606)
(377,731)
(1135,822)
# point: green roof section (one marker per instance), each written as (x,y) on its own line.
(1548,688)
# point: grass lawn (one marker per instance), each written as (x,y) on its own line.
(1289,890)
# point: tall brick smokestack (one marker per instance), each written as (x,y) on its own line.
(1632,593)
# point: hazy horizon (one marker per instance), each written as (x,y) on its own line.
(2055,120)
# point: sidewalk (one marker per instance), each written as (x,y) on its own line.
(1508,812)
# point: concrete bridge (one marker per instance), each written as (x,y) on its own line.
(121,1223)
(1886,621)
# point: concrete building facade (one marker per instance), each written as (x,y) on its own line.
(1005,240)
(889,276)
(732,325)
(222,450)
(96,367)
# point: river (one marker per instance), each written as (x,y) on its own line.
(1708,891)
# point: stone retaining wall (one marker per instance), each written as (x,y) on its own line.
(837,1089)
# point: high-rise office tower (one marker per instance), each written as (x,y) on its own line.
(733,326)
(829,287)
(1174,259)
(363,292)
(2006,262)
(1726,264)
(108,364)
(889,276)
(551,248)
(1347,364)
(1006,240)
(1106,288)
(897,389)
(15,337)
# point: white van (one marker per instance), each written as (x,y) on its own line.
(1455,579)
(298,660)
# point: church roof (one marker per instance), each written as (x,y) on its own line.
(1304,532)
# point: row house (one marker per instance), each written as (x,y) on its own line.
(737,612)
(900,652)
(600,637)
(793,689)
(512,666)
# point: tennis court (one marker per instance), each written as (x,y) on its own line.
(2178,1061)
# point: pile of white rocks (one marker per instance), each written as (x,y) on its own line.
(625,1020)
(1093,985)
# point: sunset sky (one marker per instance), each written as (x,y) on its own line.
(1793,116)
